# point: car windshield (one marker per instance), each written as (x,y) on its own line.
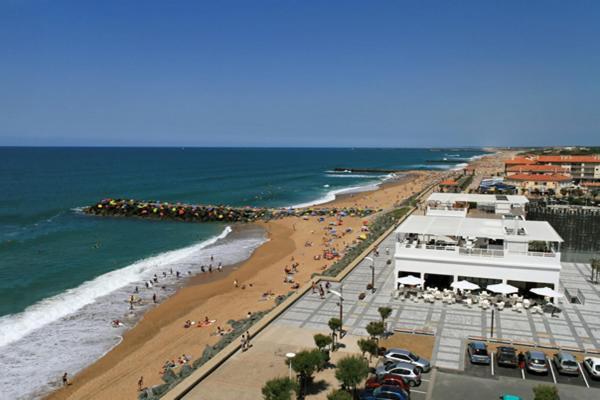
(413,356)
(569,363)
(480,352)
(538,361)
(597,368)
(415,371)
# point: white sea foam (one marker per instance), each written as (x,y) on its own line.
(355,176)
(460,166)
(71,330)
(15,326)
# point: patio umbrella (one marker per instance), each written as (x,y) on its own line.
(411,280)
(464,285)
(502,288)
(546,292)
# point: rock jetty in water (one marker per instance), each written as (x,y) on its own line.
(207,213)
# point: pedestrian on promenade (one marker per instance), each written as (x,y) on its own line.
(65,379)
(140,383)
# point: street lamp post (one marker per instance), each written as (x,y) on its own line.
(372,273)
(340,302)
(290,356)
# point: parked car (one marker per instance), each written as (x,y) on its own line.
(408,357)
(478,353)
(507,357)
(566,363)
(592,364)
(409,372)
(384,393)
(535,361)
(388,380)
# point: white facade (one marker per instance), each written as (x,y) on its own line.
(478,248)
(456,204)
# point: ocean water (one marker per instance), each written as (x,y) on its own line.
(64,276)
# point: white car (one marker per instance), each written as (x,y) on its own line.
(592,364)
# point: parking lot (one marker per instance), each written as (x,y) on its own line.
(420,392)
(493,371)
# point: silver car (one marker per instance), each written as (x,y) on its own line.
(536,361)
(402,355)
(566,363)
(409,372)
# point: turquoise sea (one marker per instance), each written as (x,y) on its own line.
(64,276)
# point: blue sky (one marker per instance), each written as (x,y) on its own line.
(299,73)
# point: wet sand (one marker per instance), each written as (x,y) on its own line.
(160,335)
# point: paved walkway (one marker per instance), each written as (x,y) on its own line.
(577,326)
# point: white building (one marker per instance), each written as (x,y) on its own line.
(443,249)
(457,204)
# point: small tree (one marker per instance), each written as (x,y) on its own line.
(545,392)
(305,364)
(335,324)
(351,371)
(339,395)
(368,346)
(279,389)
(322,341)
(375,329)
(385,313)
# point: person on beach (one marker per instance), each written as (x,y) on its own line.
(154,298)
(210,268)
(202,268)
(136,290)
(220,267)
(177,274)
(140,383)
(247,338)
(65,379)
(236,283)
(314,287)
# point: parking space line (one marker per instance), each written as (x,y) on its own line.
(424,380)
(551,370)
(492,363)
(418,391)
(583,375)
(523,373)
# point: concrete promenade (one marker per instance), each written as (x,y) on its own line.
(577,326)
(243,375)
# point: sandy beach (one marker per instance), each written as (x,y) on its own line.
(161,335)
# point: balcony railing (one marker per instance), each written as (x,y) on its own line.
(475,252)
(480,252)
